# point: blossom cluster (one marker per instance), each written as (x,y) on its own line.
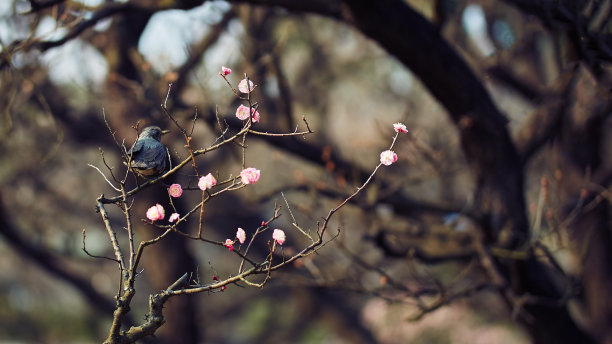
(278,235)
(244,86)
(157,212)
(248,175)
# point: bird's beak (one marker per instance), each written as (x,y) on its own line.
(164,132)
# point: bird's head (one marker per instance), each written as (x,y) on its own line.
(154,132)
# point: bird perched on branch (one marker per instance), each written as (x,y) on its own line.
(148,154)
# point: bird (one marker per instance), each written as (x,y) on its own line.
(147,157)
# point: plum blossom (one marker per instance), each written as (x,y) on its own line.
(206,182)
(174,217)
(388,157)
(156,212)
(225,71)
(250,175)
(229,243)
(242,86)
(255,115)
(241,235)
(243,113)
(279,236)
(175,190)
(400,128)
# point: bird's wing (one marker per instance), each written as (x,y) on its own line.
(136,147)
(153,153)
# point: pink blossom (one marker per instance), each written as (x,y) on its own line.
(250,175)
(242,112)
(207,182)
(156,212)
(255,115)
(388,157)
(225,71)
(174,217)
(241,235)
(279,236)
(400,128)
(175,190)
(229,243)
(242,86)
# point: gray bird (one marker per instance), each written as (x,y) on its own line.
(148,153)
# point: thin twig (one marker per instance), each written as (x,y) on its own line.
(95,256)
(108,181)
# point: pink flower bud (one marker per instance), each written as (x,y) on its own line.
(229,243)
(241,235)
(400,128)
(225,71)
(174,217)
(255,116)
(279,236)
